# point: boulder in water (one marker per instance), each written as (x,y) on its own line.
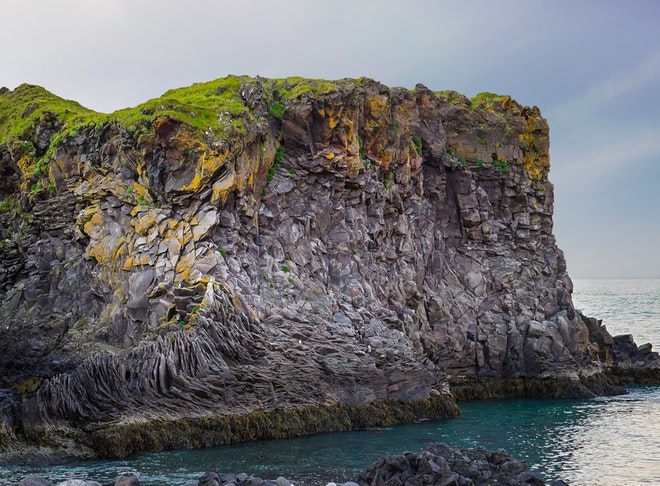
(441,464)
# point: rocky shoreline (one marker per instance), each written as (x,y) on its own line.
(255,258)
(437,464)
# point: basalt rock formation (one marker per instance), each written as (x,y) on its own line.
(251,258)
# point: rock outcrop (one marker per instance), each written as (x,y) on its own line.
(436,464)
(439,464)
(252,258)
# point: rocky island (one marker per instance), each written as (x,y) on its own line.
(255,258)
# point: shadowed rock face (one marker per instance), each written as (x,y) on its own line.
(307,243)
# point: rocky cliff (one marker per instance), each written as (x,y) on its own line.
(251,258)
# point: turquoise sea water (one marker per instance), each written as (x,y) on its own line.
(605,441)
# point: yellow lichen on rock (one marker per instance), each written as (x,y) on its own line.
(94,224)
(207,166)
(184,267)
(146,220)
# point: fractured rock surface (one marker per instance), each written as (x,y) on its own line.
(309,243)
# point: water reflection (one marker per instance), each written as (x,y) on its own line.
(613,440)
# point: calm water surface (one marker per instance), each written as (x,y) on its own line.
(627,306)
(606,441)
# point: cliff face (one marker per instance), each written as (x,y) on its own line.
(252,245)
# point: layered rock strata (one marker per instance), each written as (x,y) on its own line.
(249,258)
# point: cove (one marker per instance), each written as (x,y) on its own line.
(605,440)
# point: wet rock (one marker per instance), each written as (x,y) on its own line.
(78,482)
(34,481)
(127,481)
(439,464)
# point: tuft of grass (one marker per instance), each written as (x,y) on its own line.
(272,171)
(36,187)
(502,166)
(277,109)
(296,87)
(418,145)
(488,101)
(279,154)
(387,181)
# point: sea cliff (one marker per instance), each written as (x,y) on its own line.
(252,258)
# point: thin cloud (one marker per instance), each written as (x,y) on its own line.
(604,160)
(624,83)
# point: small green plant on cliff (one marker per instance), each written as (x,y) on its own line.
(395,127)
(40,167)
(479,163)
(387,181)
(6,205)
(481,141)
(279,154)
(277,110)
(272,171)
(363,154)
(501,165)
(36,188)
(286,269)
(418,145)
(223,252)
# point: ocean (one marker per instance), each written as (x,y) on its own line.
(604,441)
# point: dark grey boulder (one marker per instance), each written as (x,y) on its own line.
(34,481)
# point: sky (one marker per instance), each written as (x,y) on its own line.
(591,66)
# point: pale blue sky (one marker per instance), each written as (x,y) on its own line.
(593,67)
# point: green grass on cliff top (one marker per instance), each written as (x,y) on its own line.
(201,106)
(217,106)
(215,109)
